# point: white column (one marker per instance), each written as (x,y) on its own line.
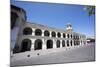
(61,43)
(33,32)
(61,35)
(86,42)
(65,43)
(33,43)
(66,36)
(44,44)
(80,42)
(69,44)
(56,35)
(54,43)
(42,33)
(73,43)
(50,33)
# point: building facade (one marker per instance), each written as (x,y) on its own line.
(37,37)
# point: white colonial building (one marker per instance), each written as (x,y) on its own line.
(26,36)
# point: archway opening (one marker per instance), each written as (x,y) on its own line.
(58,34)
(26,45)
(63,43)
(38,32)
(27,31)
(67,43)
(71,42)
(67,35)
(38,44)
(71,36)
(46,33)
(49,44)
(53,34)
(64,36)
(74,43)
(58,43)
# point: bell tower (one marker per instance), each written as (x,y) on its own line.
(69,28)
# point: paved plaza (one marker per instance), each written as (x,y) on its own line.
(84,53)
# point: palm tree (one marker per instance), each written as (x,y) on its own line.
(90,10)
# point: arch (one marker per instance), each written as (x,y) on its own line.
(58,43)
(53,34)
(38,44)
(46,33)
(78,42)
(74,43)
(68,43)
(27,31)
(58,34)
(67,35)
(63,43)
(71,36)
(38,32)
(64,36)
(26,45)
(49,44)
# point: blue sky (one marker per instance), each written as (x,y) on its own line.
(59,15)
